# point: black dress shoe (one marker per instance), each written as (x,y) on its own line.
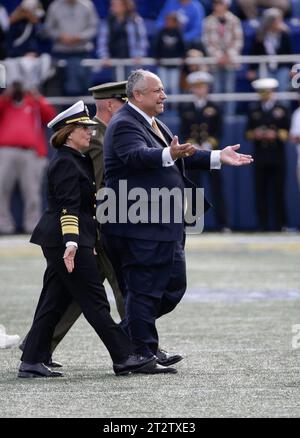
(158,369)
(133,363)
(53,364)
(164,358)
(28,370)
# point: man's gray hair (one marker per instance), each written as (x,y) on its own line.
(135,81)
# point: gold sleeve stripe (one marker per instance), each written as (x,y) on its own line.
(68,216)
(69,225)
(283,134)
(68,229)
(69,221)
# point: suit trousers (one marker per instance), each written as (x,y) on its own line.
(59,289)
(153,277)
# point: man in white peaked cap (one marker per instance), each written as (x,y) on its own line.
(268,128)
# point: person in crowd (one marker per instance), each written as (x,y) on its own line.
(108,99)
(72,25)
(190,13)
(201,124)
(223,39)
(250,8)
(4,27)
(122,34)
(8,341)
(188,68)
(295,135)
(25,28)
(272,38)
(268,127)
(23,150)
(140,152)
(67,233)
(169,44)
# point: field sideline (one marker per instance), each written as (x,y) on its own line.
(234,328)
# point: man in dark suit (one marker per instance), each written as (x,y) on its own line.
(140,152)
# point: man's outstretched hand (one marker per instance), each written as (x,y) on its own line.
(232,158)
(181,150)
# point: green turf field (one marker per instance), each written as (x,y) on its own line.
(234,328)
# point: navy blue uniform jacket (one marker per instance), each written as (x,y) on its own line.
(71,212)
(133,152)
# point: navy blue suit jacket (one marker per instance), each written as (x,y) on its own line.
(133,152)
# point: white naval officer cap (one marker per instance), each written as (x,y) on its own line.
(265,84)
(77,113)
(226,2)
(199,77)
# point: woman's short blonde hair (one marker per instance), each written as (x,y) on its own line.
(60,137)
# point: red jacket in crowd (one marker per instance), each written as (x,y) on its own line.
(22,124)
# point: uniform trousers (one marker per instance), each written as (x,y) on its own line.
(73,311)
(59,289)
(153,277)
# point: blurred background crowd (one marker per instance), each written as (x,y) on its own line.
(53,50)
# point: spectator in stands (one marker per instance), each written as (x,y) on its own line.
(4,26)
(272,38)
(251,11)
(188,68)
(191,14)
(223,39)
(201,124)
(72,26)
(268,128)
(23,150)
(122,34)
(295,136)
(25,25)
(169,44)
(33,71)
